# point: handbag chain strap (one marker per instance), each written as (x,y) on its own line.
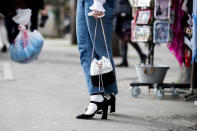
(105,40)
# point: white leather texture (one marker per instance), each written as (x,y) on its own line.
(100,66)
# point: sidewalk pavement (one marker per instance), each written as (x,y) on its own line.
(47,94)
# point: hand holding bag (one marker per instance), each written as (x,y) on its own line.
(101,71)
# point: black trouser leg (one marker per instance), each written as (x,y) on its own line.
(138,49)
(34,19)
(12,29)
(124,48)
(140,53)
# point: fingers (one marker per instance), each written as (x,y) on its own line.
(97,14)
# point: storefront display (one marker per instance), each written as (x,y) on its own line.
(176,46)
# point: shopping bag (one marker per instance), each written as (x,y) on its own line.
(27,45)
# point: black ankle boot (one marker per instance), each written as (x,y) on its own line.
(4,49)
(103,106)
(143,59)
(112,103)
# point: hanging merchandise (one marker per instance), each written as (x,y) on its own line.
(188,57)
(141,33)
(194,39)
(161,32)
(141,3)
(162,9)
(187,7)
(143,16)
(176,46)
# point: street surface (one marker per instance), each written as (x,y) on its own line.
(46,95)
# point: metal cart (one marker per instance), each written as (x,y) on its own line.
(159,87)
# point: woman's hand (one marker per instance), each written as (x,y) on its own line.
(98,14)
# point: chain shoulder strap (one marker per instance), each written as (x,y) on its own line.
(104,36)
(105,40)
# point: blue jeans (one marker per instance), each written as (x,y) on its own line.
(85,26)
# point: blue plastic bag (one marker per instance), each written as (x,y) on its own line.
(27,45)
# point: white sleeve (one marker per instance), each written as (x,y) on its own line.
(98,5)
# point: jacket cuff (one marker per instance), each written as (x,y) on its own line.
(98,5)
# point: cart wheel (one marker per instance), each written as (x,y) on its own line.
(159,94)
(135,91)
(175,92)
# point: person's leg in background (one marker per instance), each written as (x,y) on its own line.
(3,35)
(12,29)
(123,50)
(142,56)
(124,53)
(34,20)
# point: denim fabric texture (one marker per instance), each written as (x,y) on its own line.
(85,27)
